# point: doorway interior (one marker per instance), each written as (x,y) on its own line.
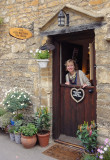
(67,115)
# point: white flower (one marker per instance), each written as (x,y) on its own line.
(105,149)
(37,50)
(31,51)
(40,51)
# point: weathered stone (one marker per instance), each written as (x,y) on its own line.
(96,2)
(102,131)
(103,111)
(103,75)
(18,48)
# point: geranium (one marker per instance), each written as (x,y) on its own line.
(40,54)
(104,151)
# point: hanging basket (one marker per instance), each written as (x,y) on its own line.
(42,63)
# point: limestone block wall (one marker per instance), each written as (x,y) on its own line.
(103,80)
(19,69)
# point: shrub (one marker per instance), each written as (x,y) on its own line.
(42,119)
(16,100)
(2,111)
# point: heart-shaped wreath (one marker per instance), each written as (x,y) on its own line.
(77,94)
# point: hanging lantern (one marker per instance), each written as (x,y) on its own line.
(61,19)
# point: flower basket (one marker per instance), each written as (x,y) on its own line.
(41,56)
(42,63)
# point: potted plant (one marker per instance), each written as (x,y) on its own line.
(11,132)
(28,135)
(17,132)
(42,57)
(42,121)
(88,136)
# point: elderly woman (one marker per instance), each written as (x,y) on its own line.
(75,76)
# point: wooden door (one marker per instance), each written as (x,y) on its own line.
(67,114)
(74,114)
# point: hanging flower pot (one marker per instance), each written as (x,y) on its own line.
(41,56)
(42,63)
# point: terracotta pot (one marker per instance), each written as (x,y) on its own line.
(6,129)
(43,139)
(28,141)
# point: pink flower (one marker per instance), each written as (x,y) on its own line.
(101,147)
(90,133)
(106,141)
(101,156)
(98,150)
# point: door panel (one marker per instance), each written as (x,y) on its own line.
(74,114)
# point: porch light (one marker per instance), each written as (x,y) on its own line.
(62,17)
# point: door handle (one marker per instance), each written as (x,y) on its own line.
(90,90)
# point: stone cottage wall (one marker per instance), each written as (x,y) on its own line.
(19,69)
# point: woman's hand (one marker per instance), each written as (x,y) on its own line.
(67,83)
(84,85)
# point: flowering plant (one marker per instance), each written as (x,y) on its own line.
(88,136)
(104,151)
(16,100)
(40,54)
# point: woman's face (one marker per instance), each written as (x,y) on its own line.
(70,67)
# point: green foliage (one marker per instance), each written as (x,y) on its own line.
(1,20)
(28,130)
(11,128)
(88,136)
(18,117)
(42,119)
(88,157)
(17,125)
(40,54)
(5,119)
(2,111)
(17,100)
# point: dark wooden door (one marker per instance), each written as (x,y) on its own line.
(73,113)
(67,114)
